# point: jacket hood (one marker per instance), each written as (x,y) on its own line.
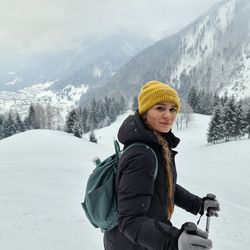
(133,129)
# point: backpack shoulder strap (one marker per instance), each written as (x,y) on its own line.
(141,144)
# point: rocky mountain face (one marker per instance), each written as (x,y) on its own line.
(212,53)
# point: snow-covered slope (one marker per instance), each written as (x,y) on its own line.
(43,175)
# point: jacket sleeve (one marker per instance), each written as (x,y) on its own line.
(186,200)
(135,188)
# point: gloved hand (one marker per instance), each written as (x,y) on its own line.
(195,239)
(211,205)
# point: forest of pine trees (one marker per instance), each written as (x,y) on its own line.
(38,117)
(201,101)
(229,121)
(98,114)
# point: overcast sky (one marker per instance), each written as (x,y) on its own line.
(38,25)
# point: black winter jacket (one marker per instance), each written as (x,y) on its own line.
(142,201)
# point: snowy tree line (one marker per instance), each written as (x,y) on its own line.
(39,117)
(229,121)
(97,115)
(201,101)
(80,120)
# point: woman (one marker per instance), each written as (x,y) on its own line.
(145,204)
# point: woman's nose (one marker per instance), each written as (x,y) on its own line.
(166,114)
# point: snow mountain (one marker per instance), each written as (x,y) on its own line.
(105,57)
(95,59)
(211,53)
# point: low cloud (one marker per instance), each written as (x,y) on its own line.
(38,25)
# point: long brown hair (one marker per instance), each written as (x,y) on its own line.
(169,175)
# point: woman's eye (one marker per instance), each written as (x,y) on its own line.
(160,108)
(173,110)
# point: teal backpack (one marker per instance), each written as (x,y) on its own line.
(100,203)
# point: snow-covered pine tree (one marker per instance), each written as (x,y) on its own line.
(107,102)
(74,123)
(248,123)
(229,119)
(84,117)
(19,124)
(40,115)
(92,136)
(215,130)
(200,108)
(9,127)
(70,121)
(92,120)
(112,112)
(193,98)
(77,127)
(101,114)
(240,122)
(31,121)
(123,105)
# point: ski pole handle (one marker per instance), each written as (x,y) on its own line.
(189,227)
(209,197)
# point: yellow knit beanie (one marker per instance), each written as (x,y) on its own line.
(154,92)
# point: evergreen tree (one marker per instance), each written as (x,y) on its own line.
(107,102)
(215,130)
(216,100)
(32,121)
(193,99)
(9,127)
(77,129)
(229,119)
(93,118)
(84,117)
(208,103)
(92,137)
(70,121)
(123,105)
(19,124)
(135,104)
(240,124)
(200,108)
(101,114)
(248,123)
(74,123)
(112,113)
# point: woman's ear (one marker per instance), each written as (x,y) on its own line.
(144,117)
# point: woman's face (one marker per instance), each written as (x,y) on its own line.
(161,116)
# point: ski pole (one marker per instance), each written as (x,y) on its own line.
(208,221)
(210,197)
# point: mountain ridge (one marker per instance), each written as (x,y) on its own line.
(211,53)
